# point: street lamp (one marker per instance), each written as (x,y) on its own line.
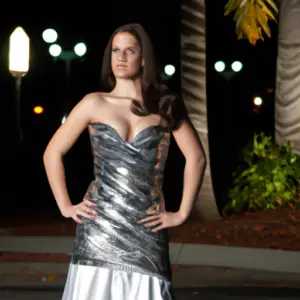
(56,51)
(19,54)
(220,67)
(67,56)
(228,74)
(50,36)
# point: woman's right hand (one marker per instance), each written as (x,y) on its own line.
(82,209)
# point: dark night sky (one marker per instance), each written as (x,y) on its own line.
(232,121)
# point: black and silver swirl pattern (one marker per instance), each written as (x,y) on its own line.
(128,181)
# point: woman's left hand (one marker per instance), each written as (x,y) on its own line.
(162,219)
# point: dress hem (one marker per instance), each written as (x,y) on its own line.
(117,266)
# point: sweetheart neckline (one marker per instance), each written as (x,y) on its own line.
(135,137)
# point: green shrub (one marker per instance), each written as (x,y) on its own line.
(268,179)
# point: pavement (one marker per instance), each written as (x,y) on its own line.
(53,275)
(199,271)
(46,281)
(233,293)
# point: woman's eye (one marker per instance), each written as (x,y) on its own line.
(129,51)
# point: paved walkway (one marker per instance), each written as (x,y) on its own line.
(182,254)
(181,294)
(53,276)
(200,271)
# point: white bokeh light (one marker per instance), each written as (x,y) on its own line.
(55,50)
(169,70)
(257,101)
(220,66)
(50,35)
(237,66)
(80,49)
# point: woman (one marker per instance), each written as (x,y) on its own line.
(121,246)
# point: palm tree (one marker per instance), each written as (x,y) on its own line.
(252,18)
(193,78)
(287,96)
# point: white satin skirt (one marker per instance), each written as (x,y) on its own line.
(98,283)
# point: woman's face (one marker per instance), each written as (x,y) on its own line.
(126,56)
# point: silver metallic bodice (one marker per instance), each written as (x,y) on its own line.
(128,181)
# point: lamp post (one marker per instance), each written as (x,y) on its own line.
(50,36)
(220,67)
(56,51)
(19,54)
(228,74)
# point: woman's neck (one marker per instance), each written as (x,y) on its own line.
(131,89)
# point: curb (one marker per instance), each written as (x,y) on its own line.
(180,254)
(53,276)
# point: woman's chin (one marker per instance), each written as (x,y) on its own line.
(124,75)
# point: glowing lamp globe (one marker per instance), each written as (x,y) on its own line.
(220,66)
(80,49)
(170,70)
(55,50)
(237,66)
(50,35)
(258,101)
(19,48)
(38,109)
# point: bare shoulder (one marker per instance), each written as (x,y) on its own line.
(89,107)
(76,122)
(91,101)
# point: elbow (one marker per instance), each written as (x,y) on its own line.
(46,157)
(197,159)
(47,154)
(50,154)
(200,158)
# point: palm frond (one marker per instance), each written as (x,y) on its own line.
(252,18)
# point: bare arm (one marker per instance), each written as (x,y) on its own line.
(59,145)
(190,145)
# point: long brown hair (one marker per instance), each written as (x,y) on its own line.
(156,97)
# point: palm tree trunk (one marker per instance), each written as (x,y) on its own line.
(287,98)
(193,77)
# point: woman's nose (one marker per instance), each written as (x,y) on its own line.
(122,57)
